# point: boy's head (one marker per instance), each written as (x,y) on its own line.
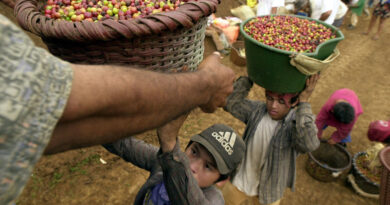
(343,112)
(214,154)
(279,104)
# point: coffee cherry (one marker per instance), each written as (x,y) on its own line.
(288,32)
(99,10)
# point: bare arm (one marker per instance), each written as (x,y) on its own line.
(274,10)
(307,139)
(110,91)
(108,103)
(340,134)
(325,15)
(181,185)
(167,134)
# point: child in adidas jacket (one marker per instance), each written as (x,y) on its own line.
(188,177)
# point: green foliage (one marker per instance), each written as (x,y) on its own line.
(89,160)
(56,178)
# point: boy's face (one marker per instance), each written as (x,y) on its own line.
(202,164)
(277,108)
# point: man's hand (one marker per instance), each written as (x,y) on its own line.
(311,83)
(221,79)
(167,134)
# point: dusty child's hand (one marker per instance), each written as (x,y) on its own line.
(311,83)
(167,134)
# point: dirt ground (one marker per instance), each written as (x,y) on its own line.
(79,177)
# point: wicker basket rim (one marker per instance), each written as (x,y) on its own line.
(29,17)
(383,156)
(331,168)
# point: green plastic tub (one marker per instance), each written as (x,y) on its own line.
(270,67)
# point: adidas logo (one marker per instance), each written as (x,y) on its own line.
(227,140)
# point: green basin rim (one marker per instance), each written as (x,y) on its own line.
(339,36)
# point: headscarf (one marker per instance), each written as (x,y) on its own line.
(285,96)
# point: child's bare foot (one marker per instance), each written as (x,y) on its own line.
(365,33)
(376,37)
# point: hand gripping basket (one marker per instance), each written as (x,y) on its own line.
(164,41)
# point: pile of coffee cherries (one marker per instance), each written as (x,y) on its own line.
(288,33)
(98,10)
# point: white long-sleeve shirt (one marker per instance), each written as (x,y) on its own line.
(248,174)
(264,6)
(318,7)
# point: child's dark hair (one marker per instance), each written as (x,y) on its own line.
(387,140)
(343,112)
(346,1)
(294,99)
(222,177)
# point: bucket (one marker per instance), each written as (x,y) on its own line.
(362,181)
(235,56)
(270,67)
(328,162)
(384,193)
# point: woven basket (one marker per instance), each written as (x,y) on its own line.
(364,183)
(164,41)
(329,162)
(235,56)
(9,3)
(384,156)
